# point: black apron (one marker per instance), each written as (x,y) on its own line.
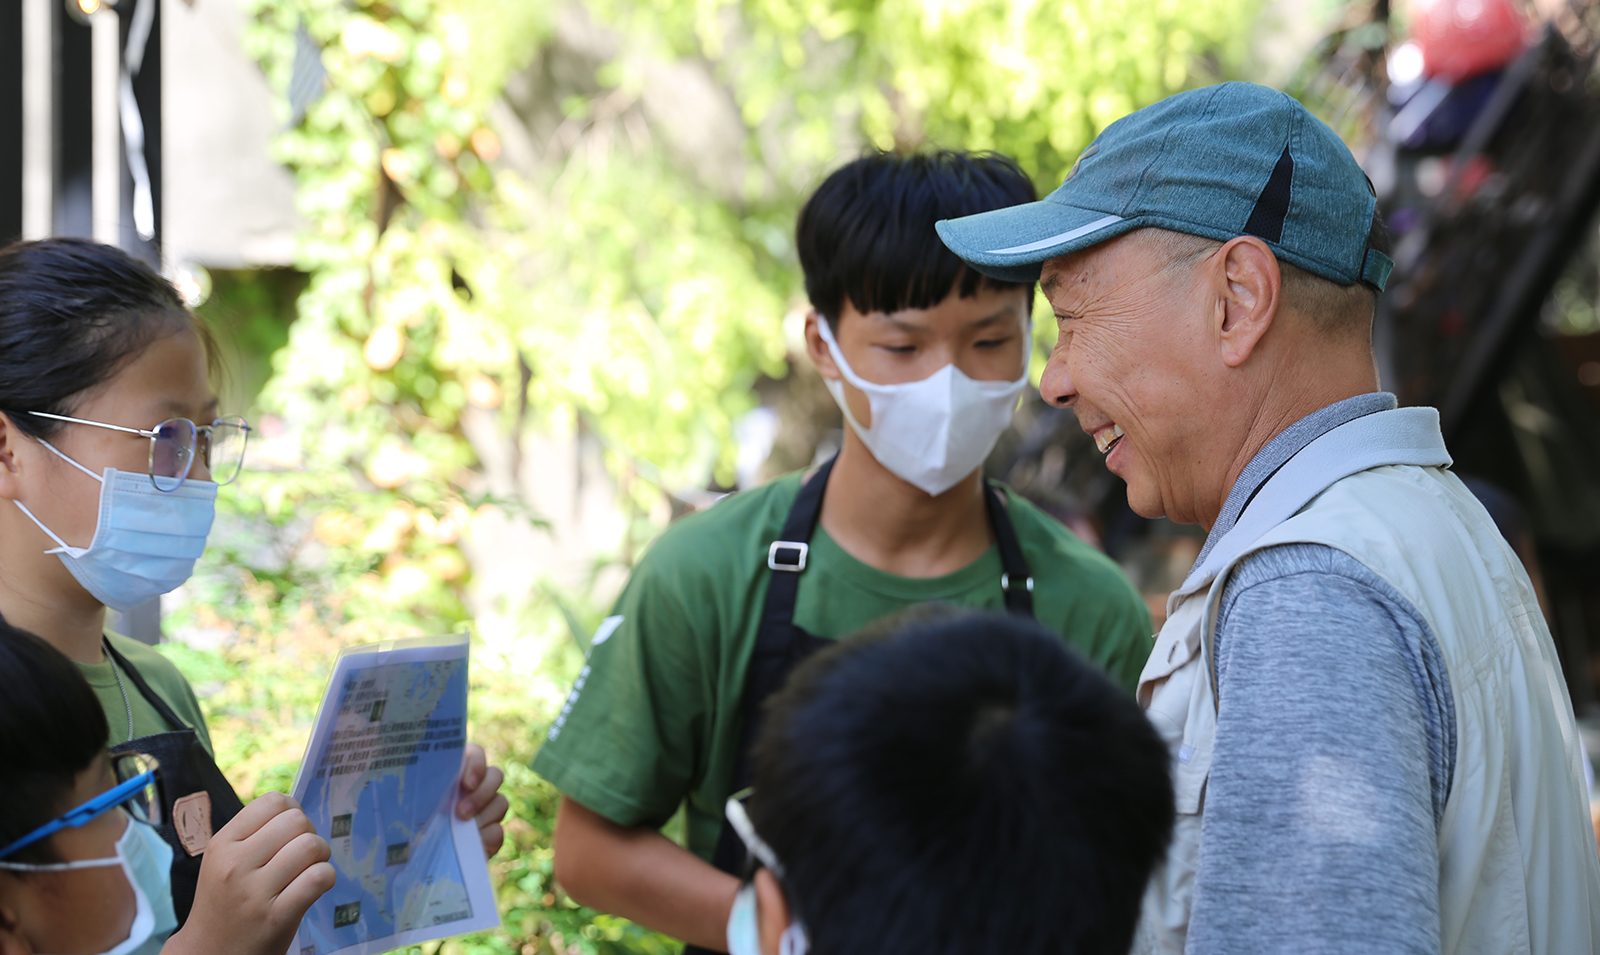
(781,646)
(198,800)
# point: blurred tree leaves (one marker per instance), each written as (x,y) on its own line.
(604,261)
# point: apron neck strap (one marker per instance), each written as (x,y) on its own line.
(786,556)
(1016,579)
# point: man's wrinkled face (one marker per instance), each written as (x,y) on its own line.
(1129,362)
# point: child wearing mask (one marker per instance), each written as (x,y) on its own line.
(927,360)
(83,869)
(950,783)
(112,452)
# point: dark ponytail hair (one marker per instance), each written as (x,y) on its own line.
(51,729)
(72,314)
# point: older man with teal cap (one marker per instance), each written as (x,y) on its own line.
(1373,749)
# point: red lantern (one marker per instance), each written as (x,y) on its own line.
(1460,39)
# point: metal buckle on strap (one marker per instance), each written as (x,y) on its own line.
(799,548)
(1005,583)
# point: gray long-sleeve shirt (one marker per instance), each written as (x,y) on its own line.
(1334,750)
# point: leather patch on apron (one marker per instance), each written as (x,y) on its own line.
(191,817)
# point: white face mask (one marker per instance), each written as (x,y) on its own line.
(146,860)
(931,433)
(145,541)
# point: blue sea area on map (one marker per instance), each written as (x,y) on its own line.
(399,835)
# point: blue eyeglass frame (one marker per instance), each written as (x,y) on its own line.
(82,815)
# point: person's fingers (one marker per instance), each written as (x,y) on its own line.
(261,810)
(494,812)
(270,839)
(307,887)
(474,766)
(473,803)
(490,831)
(493,837)
(299,854)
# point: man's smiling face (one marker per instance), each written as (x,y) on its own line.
(1129,361)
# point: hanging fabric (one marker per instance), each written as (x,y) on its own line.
(144,210)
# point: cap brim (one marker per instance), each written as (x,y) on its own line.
(1010,244)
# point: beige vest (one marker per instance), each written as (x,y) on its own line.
(1518,871)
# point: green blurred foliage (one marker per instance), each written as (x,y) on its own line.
(609,283)
(1033,80)
(249,312)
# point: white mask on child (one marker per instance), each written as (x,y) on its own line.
(146,860)
(931,433)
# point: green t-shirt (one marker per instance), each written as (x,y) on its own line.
(162,677)
(654,718)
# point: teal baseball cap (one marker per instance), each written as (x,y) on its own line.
(1220,162)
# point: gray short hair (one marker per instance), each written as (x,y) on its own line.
(1333,308)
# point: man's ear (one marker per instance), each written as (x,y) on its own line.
(818,349)
(1251,294)
(772,912)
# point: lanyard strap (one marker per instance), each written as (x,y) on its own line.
(153,698)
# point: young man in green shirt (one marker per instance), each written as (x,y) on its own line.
(927,359)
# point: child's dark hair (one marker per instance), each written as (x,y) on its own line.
(72,314)
(51,729)
(961,782)
(866,235)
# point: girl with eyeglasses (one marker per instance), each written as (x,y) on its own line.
(83,867)
(112,450)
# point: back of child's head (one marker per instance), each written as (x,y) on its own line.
(866,235)
(51,730)
(961,782)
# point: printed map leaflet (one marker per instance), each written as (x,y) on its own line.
(380,782)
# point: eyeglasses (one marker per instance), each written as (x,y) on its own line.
(138,788)
(176,442)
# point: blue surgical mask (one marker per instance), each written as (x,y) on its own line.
(145,541)
(744,928)
(146,860)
